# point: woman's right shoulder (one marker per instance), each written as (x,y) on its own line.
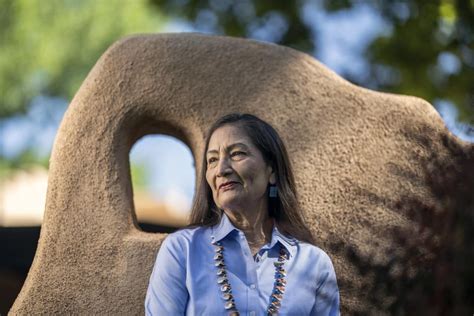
(185,236)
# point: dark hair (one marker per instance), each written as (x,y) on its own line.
(284,208)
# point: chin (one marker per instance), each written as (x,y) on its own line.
(229,204)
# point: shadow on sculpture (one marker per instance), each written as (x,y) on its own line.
(428,267)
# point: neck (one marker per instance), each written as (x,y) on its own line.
(257,226)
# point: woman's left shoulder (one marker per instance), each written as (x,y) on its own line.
(313,252)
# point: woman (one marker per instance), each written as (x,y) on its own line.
(247,250)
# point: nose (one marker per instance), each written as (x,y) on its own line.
(223,168)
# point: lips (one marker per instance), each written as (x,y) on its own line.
(227,185)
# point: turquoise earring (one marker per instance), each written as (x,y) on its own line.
(273,193)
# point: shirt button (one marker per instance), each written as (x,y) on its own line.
(252,313)
(252,286)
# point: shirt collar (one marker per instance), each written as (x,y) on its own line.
(225,227)
(287,242)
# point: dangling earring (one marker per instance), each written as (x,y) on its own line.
(273,192)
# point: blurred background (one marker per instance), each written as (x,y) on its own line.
(414,47)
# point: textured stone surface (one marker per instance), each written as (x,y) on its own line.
(344,141)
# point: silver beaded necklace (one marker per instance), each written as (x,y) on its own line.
(223,281)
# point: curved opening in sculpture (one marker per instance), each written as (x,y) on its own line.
(163,179)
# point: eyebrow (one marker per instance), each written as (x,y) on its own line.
(230,147)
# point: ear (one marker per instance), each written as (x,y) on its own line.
(272,179)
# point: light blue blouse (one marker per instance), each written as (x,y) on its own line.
(184,279)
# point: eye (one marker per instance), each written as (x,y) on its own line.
(211,160)
(237,153)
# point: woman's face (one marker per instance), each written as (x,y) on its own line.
(236,171)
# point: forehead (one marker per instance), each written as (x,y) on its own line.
(228,135)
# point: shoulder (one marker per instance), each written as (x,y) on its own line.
(315,254)
(183,237)
(320,266)
(182,246)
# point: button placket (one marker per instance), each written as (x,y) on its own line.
(252,298)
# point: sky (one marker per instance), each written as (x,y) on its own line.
(341,38)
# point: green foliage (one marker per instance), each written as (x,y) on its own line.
(241,18)
(48,47)
(416,47)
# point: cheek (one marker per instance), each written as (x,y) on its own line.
(256,176)
(251,172)
(209,180)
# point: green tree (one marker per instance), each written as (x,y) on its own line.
(48,47)
(429,52)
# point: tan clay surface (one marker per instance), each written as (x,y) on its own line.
(345,143)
